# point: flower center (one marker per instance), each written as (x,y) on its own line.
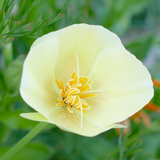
(75,92)
(77,89)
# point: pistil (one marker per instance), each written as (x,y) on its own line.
(73,95)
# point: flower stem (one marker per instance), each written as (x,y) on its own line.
(120,145)
(23,141)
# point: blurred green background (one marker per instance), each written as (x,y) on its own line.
(137,23)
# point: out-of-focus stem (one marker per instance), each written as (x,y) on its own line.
(8,155)
(120,145)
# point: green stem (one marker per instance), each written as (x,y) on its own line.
(23,141)
(120,145)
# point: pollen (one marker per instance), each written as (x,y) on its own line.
(74,94)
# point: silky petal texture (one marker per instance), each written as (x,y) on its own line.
(38,86)
(87,41)
(127,83)
(102,57)
(70,122)
(34,116)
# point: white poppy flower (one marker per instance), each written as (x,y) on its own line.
(83,80)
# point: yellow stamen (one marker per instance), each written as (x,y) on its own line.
(87,95)
(85,106)
(89,82)
(76,85)
(68,99)
(73,74)
(58,83)
(62,87)
(69,83)
(84,102)
(72,91)
(75,79)
(62,103)
(69,108)
(83,110)
(86,87)
(77,102)
(76,89)
(73,100)
(61,93)
(83,80)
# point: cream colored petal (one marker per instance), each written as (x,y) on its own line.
(88,129)
(38,88)
(34,116)
(71,122)
(85,40)
(127,83)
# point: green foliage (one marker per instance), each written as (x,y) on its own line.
(140,46)
(21,21)
(121,12)
(13,72)
(13,120)
(34,150)
(156,98)
(16,22)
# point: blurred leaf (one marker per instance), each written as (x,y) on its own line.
(155,70)
(14,121)
(13,73)
(150,147)
(33,150)
(2,82)
(158,152)
(7,100)
(121,12)
(140,46)
(3,150)
(7,97)
(76,147)
(156,98)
